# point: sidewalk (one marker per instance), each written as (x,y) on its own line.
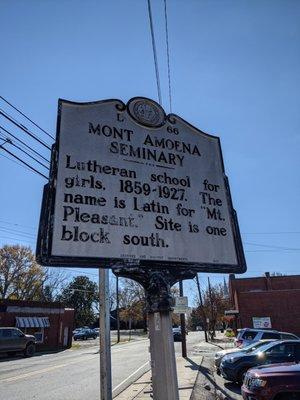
(187,371)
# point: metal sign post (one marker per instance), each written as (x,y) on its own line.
(163,362)
(104,336)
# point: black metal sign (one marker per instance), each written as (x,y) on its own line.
(132,186)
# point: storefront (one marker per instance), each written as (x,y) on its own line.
(50,323)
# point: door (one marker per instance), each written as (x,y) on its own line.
(66,336)
(283,352)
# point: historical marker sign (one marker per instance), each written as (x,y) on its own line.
(129,183)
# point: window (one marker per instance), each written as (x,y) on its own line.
(6,333)
(249,335)
(17,333)
(270,335)
(288,336)
(282,350)
(39,336)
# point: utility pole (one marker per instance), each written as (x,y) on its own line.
(117,309)
(201,306)
(104,325)
(182,325)
(211,310)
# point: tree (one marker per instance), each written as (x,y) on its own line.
(81,294)
(132,302)
(215,302)
(21,278)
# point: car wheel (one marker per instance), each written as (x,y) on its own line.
(84,338)
(241,375)
(75,339)
(30,350)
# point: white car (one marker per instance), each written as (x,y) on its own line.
(248,336)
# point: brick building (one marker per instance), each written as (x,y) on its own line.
(268,298)
(50,323)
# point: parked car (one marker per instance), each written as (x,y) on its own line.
(251,347)
(85,334)
(235,366)
(12,340)
(177,336)
(97,331)
(288,336)
(247,336)
(279,381)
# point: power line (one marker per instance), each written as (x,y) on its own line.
(24,144)
(272,246)
(168,55)
(11,230)
(29,166)
(43,130)
(23,128)
(9,141)
(14,161)
(270,233)
(154,53)
(13,223)
(17,239)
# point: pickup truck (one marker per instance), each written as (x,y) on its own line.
(12,340)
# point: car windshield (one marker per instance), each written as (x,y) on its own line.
(254,346)
(264,347)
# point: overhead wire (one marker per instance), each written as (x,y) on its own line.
(24,115)
(154,53)
(15,224)
(24,144)
(25,163)
(14,161)
(9,141)
(23,128)
(168,55)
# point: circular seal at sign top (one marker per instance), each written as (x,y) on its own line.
(146,112)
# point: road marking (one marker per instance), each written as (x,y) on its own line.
(130,376)
(41,371)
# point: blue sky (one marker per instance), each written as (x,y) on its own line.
(234,73)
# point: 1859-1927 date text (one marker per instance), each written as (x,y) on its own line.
(142,188)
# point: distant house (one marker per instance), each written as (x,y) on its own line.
(51,323)
(266,302)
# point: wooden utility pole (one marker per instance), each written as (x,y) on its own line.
(201,306)
(117,309)
(182,325)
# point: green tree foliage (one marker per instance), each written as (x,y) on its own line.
(81,294)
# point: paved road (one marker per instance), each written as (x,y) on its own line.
(74,374)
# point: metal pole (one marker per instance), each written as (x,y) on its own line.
(117,309)
(104,325)
(163,362)
(201,305)
(182,325)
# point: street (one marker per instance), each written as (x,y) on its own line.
(74,374)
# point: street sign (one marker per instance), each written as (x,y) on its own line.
(130,185)
(181,305)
